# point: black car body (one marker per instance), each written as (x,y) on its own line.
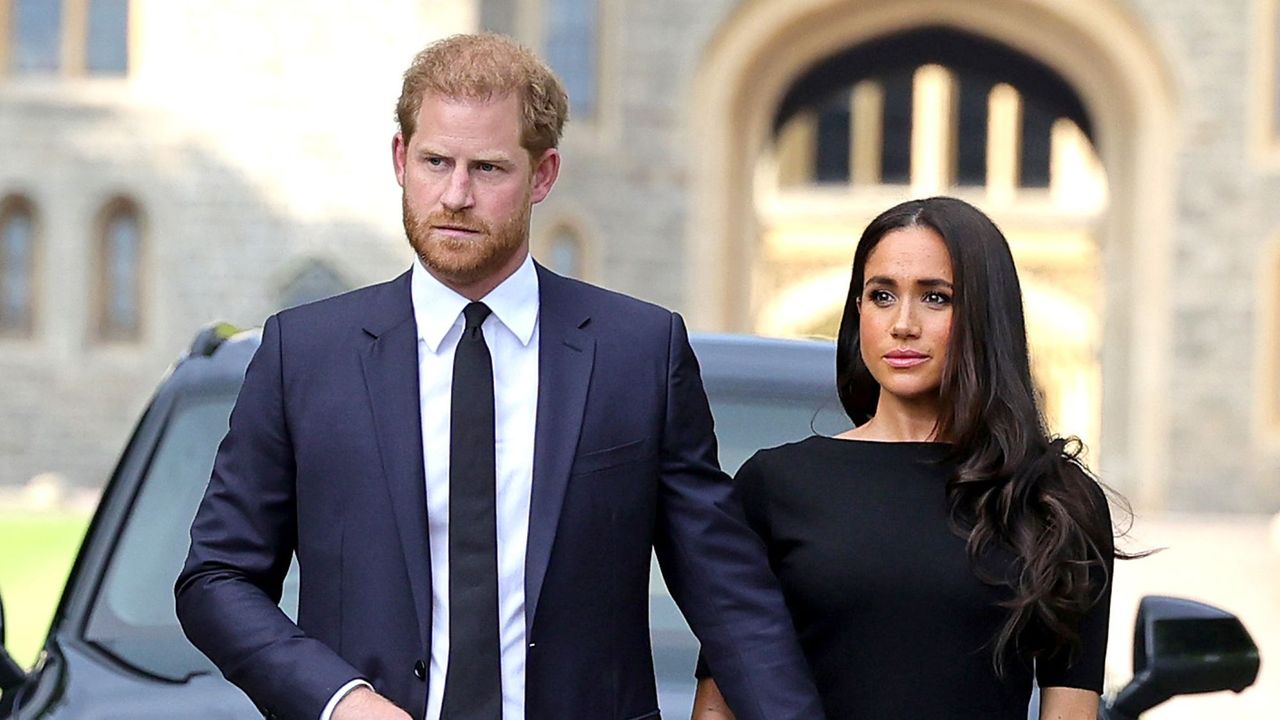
(115,649)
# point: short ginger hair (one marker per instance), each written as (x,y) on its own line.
(482,67)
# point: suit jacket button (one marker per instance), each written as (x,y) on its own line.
(420,670)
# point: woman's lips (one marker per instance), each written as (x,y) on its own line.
(905,359)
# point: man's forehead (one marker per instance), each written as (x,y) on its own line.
(469,98)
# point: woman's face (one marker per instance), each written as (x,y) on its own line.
(905,313)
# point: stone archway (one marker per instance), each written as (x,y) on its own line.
(1093,44)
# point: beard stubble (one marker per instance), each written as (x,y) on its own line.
(465,261)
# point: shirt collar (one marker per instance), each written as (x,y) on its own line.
(437,308)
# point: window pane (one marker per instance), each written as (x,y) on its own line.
(571,51)
(120,276)
(971,133)
(107,46)
(15,264)
(834,128)
(896,153)
(1037,133)
(37,36)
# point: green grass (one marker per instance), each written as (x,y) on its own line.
(36,552)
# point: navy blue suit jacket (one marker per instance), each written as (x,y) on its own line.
(324,458)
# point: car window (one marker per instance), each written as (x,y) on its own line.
(133,616)
(746,424)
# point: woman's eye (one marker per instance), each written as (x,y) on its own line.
(880,297)
(937,298)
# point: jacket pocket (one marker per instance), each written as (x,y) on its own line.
(598,460)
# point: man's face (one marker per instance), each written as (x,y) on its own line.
(468,189)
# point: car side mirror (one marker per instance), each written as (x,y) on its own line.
(11,675)
(1182,647)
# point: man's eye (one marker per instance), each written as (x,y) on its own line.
(487,167)
(435,161)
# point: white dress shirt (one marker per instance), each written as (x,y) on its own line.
(511,332)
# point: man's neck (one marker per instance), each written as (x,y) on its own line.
(477,290)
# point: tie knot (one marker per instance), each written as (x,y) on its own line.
(475,313)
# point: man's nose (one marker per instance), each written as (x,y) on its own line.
(457,194)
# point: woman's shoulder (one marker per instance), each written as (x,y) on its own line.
(803,451)
(778,461)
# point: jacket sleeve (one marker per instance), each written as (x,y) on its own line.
(242,541)
(717,568)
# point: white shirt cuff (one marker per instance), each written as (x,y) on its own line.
(342,692)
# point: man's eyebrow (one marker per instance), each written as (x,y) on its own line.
(497,158)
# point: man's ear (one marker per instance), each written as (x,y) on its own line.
(399,156)
(546,168)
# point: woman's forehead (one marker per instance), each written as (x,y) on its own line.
(910,253)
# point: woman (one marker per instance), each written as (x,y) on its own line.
(946,550)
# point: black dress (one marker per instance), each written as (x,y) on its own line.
(890,613)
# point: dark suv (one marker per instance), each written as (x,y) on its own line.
(115,649)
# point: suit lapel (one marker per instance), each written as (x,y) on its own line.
(390,363)
(565,357)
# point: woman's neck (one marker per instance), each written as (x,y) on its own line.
(899,421)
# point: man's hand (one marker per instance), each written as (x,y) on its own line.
(365,704)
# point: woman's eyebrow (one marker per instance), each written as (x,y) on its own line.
(881,280)
(934,282)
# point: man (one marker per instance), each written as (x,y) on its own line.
(473,462)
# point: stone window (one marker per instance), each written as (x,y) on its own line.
(564,253)
(17,267)
(570,46)
(118,273)
(895,131)
(106,39)
(930,107)
(315,280)
(35,36)
(67,37)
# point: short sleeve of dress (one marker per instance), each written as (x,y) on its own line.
(1086,672)
(746,486)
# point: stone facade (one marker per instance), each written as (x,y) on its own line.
(255,140)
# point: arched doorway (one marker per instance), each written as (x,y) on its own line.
(763,48)
(934,110)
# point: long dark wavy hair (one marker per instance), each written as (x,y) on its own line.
(1014,486)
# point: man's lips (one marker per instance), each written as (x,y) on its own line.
(456,230)
(905,358)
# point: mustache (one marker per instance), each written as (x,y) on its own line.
(461,220)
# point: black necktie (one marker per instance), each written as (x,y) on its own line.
(473,682)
